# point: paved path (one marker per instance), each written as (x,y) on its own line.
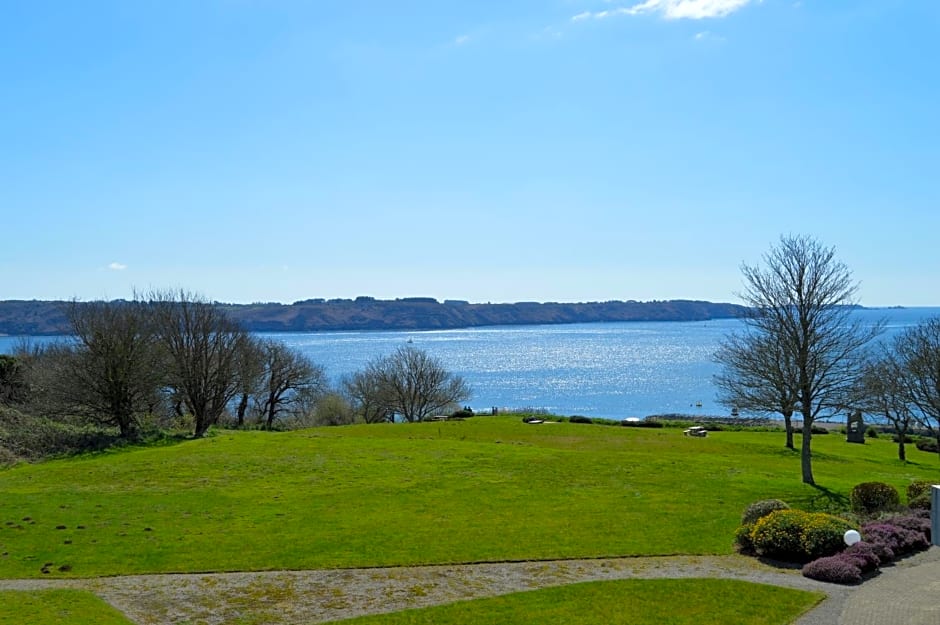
(905,594)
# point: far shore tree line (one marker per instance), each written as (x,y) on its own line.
(173,357)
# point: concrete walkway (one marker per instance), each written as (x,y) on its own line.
(907,593)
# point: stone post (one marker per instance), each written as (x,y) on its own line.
(855,428)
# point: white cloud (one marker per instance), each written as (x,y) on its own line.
(461,40)
(117,267)
(673,9)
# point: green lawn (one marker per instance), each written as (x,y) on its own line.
(482,489)
(625,602)
(62,607)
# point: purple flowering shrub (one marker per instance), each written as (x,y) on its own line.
(864,556)
(900,540)
(884,541)
(837,569)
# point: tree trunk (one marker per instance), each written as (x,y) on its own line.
(806,459)
(272,410)
(788,425)
(242,407)
(202,426)
(902,454)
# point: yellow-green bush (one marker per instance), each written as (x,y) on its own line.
(798,536)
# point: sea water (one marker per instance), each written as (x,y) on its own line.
(609,370)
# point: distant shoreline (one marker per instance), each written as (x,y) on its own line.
(39,318)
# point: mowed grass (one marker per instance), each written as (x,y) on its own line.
(626,602)
(62,607)
(485,489)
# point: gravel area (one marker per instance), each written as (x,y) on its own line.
(294,597)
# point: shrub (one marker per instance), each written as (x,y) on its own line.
(7,457)
(927,444)
(917,488)
(816,429)
(742,539)
(464,413)
(797,536)
(899,540)
(871,433)
(907,438)
(864,556)
(921,502)
(760,509)
(834,569)
(912,522)
(884,552)
(580,419)
(869,497)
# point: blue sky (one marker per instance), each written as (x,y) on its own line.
(549,150)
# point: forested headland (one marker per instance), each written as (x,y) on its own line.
(34,317)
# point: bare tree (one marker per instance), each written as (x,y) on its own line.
(288,377)
(882,393)
(416,385)
(202,344)
(367,394)
(111,372)
(801,300)
(918,354)
(757,376)
(250,372)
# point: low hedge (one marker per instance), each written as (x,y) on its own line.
(641,424)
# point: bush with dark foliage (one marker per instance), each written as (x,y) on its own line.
(871,497)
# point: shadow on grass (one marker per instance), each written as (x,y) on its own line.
(825,500)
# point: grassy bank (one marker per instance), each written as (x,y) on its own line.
(63,607)
(625,602)
(483,489)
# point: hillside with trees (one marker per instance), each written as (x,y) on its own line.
(18,317)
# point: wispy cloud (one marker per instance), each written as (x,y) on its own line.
(705,36)
(549,33)
(462,40)
(117,267)
(672,9)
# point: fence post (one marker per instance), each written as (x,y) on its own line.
(935,514)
